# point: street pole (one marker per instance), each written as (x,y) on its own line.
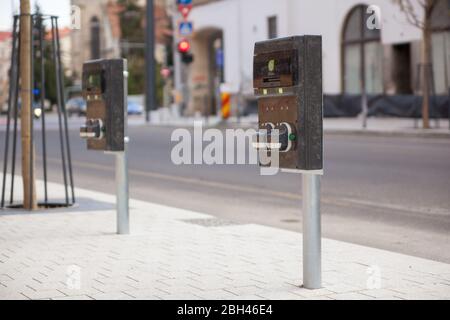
(122,191)
(364,108)
(364,103)
(312,260)
(177,65)
(29,188)
(150,96)
(122,188)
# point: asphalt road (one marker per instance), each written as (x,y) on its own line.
(384,192)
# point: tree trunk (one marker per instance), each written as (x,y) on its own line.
(29,188)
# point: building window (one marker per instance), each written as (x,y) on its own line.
(95,38)
(362,54)
(272,27)
(440,24)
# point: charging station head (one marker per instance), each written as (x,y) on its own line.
(105,91)
(287,79)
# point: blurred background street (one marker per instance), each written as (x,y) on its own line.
(386,180)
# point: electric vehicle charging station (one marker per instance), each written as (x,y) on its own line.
(105,90)
(287,79)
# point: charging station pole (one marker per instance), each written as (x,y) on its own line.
(123,216)
(122,189)
(105,89)
(287,79)
(312,246)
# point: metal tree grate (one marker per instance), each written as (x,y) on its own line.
(38,46)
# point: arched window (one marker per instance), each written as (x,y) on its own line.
(95,38)
(440,24)
(362,54)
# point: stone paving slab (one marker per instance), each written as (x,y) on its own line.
(77,255)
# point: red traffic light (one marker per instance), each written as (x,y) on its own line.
(184,46)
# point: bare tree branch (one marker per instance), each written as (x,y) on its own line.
(423,3)
(411,16)
(424,23)
(431,4)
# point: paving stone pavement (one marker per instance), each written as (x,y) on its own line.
(76,254)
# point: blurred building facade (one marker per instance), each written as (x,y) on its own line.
(65,42)
(226,30)
(5,59)
(65,39)
(99,35)
(5,63)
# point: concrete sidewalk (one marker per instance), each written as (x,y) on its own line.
(179,254)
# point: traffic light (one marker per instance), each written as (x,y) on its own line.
(187,57)
(184,47)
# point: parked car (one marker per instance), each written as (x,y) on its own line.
(76,105)
(135,108)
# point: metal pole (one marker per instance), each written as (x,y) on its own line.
(16,116)
(241,71)
(177,65)
(365,108)
(59,108)
(64,112)
(122,194)
(312,264)
(123,219)
(12,75)
(364,103)
(32,191)
(43,93)
(434,111)
(150,97)
(416,112)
